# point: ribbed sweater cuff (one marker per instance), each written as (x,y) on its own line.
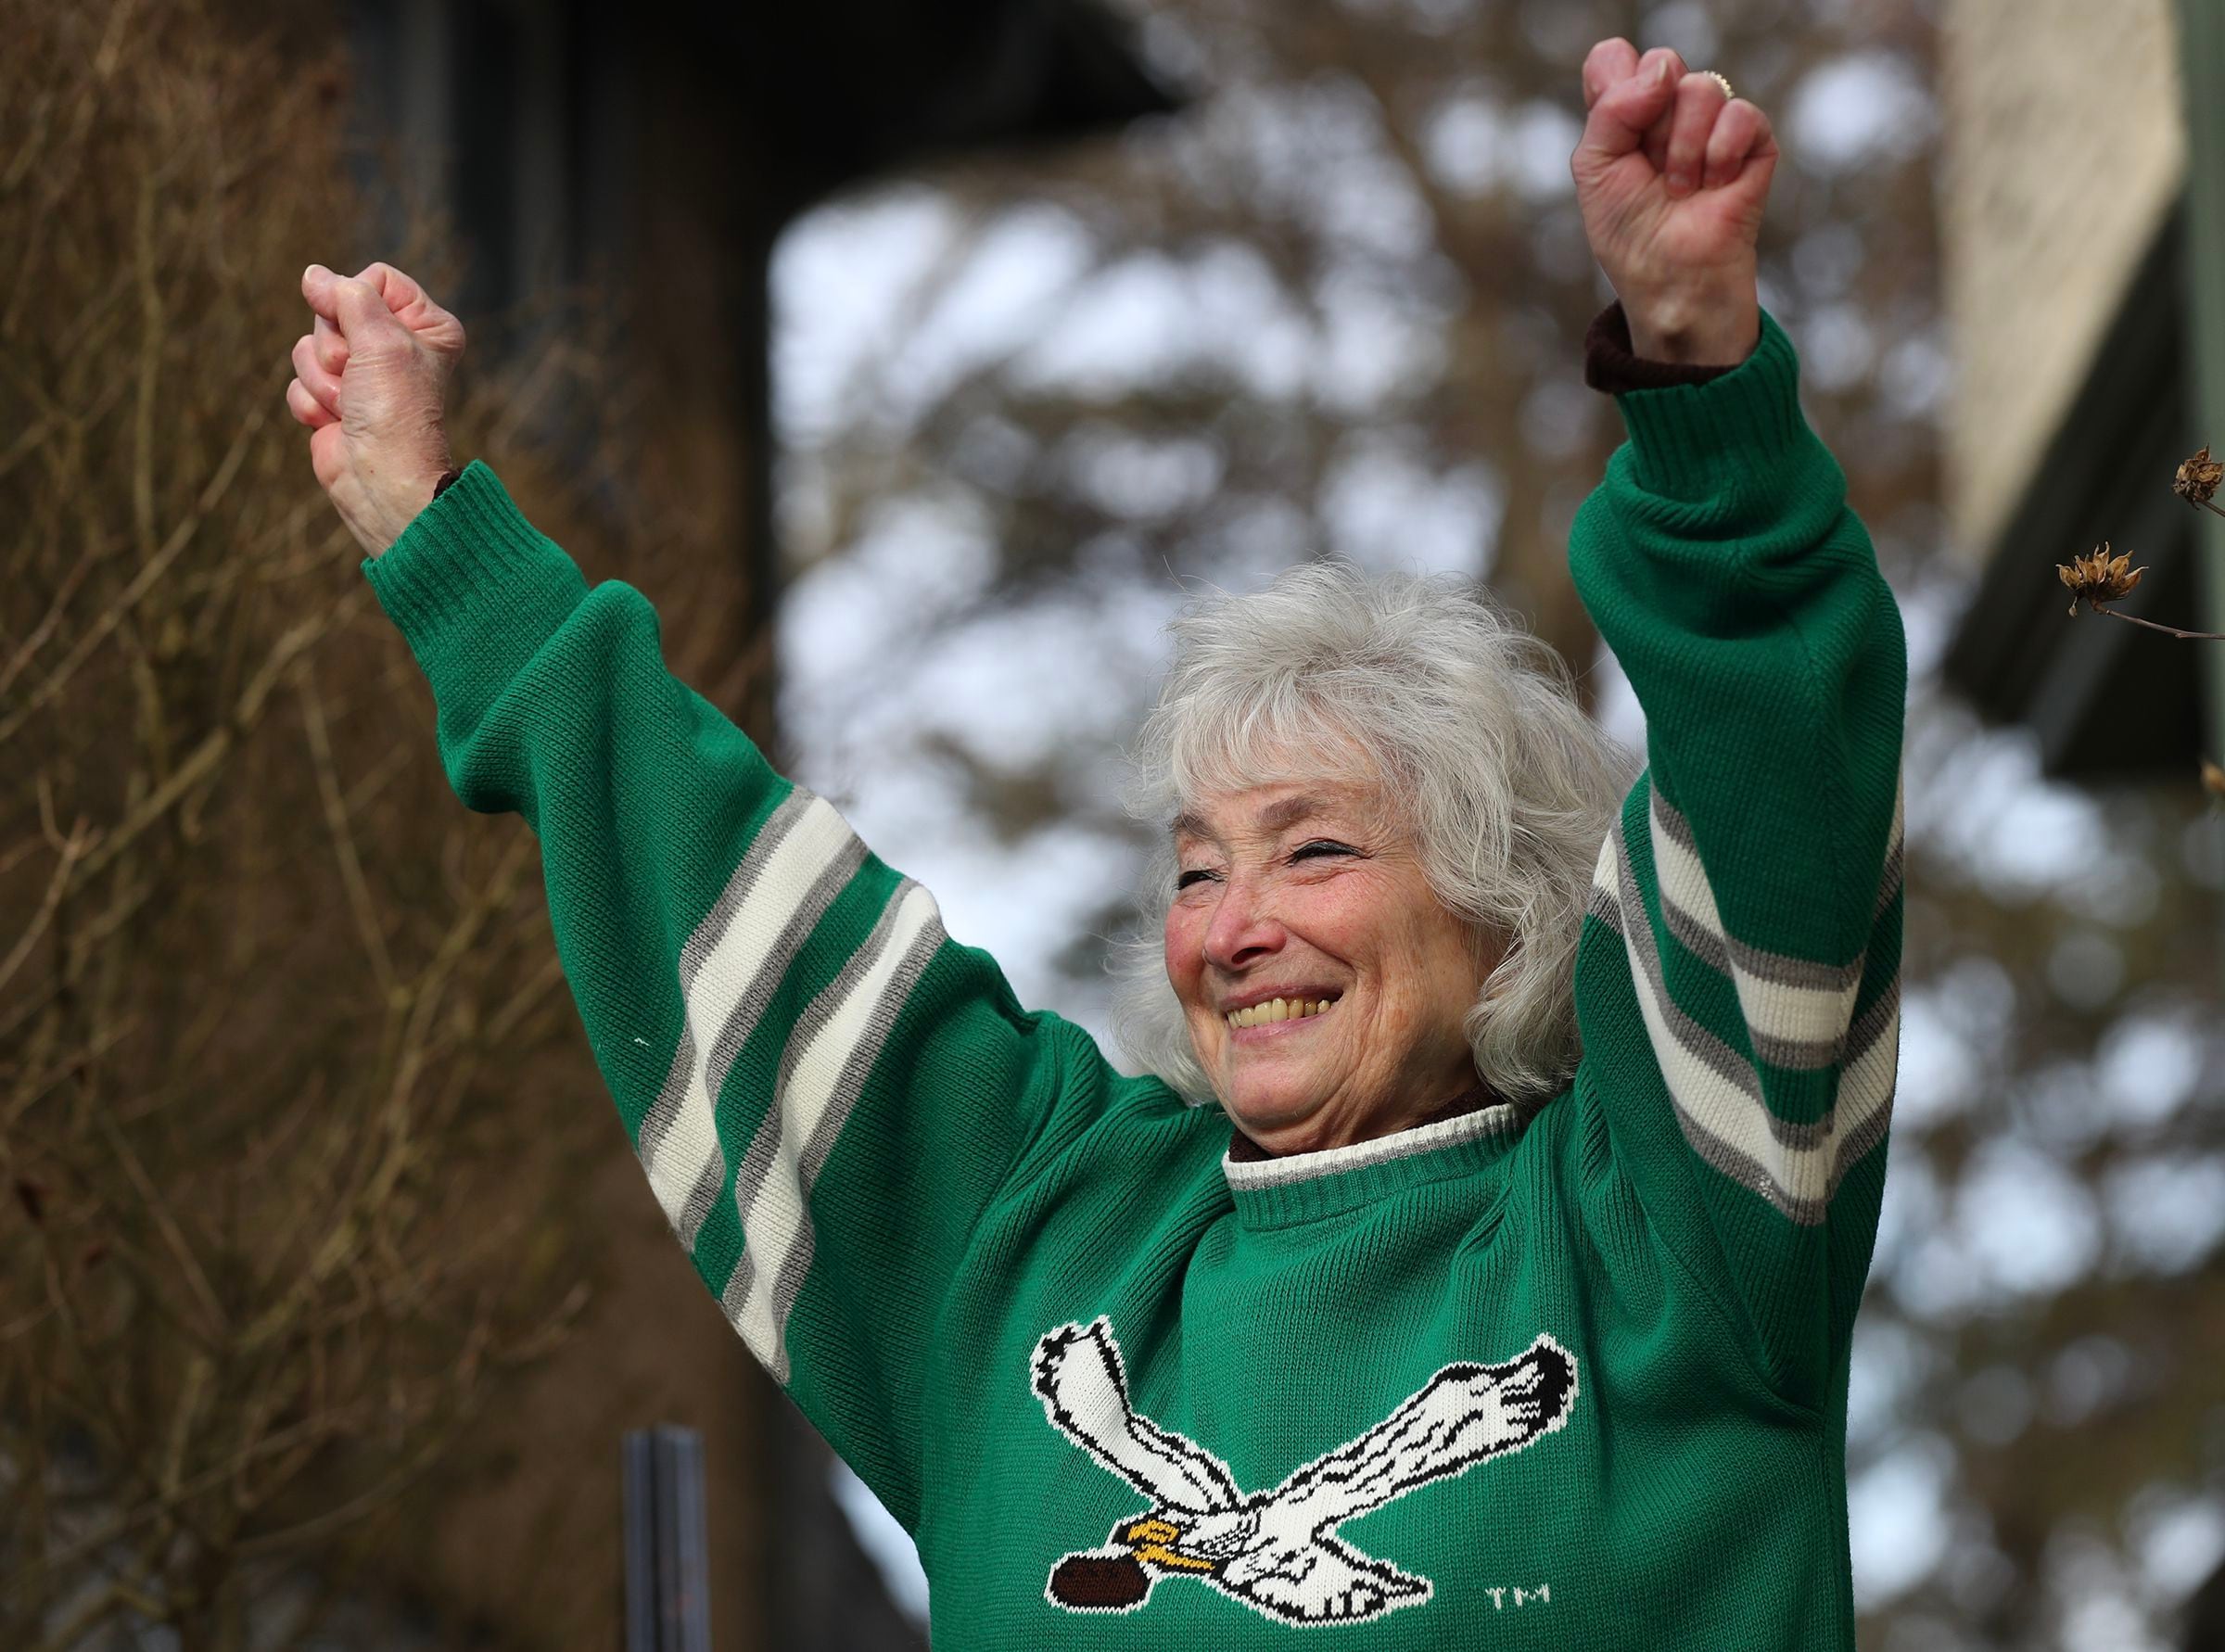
(1700,441)
(1611,362)
(470,565)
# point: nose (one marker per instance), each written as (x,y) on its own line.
(1242,930)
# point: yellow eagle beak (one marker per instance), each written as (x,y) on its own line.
(1147,1540)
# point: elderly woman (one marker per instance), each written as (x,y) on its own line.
(1514,1310)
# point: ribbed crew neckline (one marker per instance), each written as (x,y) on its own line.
(1300,1186)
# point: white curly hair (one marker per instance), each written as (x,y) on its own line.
(1472,728)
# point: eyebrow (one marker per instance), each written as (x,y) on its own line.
(1276,817)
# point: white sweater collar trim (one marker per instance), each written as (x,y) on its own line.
(1423,1139)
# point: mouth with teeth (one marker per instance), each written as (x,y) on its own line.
(1278,1011)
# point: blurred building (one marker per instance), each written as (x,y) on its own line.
(656,151)
(2084,295)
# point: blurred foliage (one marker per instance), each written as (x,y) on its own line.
(274,1247)
(1366,210)
(1368,207)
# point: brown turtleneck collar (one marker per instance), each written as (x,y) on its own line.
(1242,1150)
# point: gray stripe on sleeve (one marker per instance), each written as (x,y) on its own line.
(1796,1055)
(695,951)
(1873,1022)
(1614,907)
(850,1086)
(1703,1045)
(1780,969)
(757,997)
(756,1162)
(1727,1161)
(1888,884)
(750,1010)
(1699,1042)
(1862,1137)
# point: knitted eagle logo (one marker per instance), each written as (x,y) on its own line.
(1277,1551)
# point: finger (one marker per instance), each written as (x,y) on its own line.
(354,307)
(307,408)
(400,291)
(332,349)
(414,307)
(359,310)
(1630,108)
(410,302)
(1699,102)
(1607,62)
(1742,132)
(1657,135)
(311,374)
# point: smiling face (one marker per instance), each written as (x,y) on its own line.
(1310,893)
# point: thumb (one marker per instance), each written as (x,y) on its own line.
(1627,109)
(316,289)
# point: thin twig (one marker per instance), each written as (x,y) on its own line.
(39,633)
(203,759)
(505,1020)
(2168,630)
(144,580)
(20,853)
(395,1154)
(81,841)
(343,837)
(33,433)
(172,1235)
(29,1321)
(373,780)
(363,1503)
(37,1083)
(150,370)
(326,1425)
(199,1370)
(114,1593)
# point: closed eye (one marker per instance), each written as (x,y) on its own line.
(1321,846)
(1188,878)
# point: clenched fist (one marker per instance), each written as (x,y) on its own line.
(371,383)
(1671,177)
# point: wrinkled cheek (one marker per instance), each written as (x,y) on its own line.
(1182,941)
(1184,950)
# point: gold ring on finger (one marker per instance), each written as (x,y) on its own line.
(1711,74)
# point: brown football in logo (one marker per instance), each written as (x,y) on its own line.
(1103,1583)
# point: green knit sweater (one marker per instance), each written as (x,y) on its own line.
(1570,1377)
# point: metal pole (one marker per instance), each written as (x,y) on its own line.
(667,1556)
(2201,64)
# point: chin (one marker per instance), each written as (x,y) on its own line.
(1266,1108)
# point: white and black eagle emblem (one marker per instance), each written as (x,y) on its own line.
(1277,1551)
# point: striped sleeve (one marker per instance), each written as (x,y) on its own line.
(1738,988)
(824,1091)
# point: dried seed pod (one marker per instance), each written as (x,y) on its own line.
(2098,578)
(2197,479)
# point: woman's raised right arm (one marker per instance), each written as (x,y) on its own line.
(824,1091)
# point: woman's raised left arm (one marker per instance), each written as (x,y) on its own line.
(1740,1021)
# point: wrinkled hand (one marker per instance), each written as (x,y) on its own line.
(1672,179)
(371,383)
